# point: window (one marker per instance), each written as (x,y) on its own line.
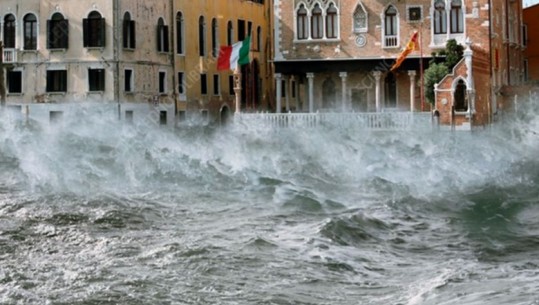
(390,27)
(360,19)
(317,31)
(440,17)
(128,31)
(203,84)
(96,80)
(9,31)
(241,30)
(525,35)
(231,84)
(214,38)
(57,81)
(258,38)
(129,116)
(162,82)
(128,80)
(94,30)
(14,81)
(162,117)
(57,32)
(414,14)
(30,32)
(216,89)
(229,33)
(162,36)
(181,85)
(302,25)
(459,97)
(201,36)
(331,22)
(179,33)
(457,18)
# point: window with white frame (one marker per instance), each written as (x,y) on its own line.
(456,17)
(317,29)
(179,33)
(57,32)
(360,19)
(302,23)
(162,36)
(331,22)
(162,82)
(9,31)
(439,17)
(30,32)
(391,27)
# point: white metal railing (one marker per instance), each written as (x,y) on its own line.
(364,120)
(10,55)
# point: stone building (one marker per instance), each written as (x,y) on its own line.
(151,59)
(335,55)
(531,39)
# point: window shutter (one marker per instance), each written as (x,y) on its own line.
(85,33)
(103,32)
(49,34)
(125,32)
(133,40)
(159,38)
(165,34)
(64,26)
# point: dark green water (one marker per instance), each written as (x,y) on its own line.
(94,213)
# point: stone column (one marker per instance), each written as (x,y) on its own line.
(287,92)
(377,75)
(412,74)
(470,87)
(278,92)
(343,76)
(310,78)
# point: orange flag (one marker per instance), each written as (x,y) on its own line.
(410,46)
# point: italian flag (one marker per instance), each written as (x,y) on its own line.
(232,56)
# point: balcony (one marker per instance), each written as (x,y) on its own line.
(10,56)
(391,41)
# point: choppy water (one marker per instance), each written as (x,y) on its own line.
(95,212)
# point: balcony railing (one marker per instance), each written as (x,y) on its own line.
(360,120)
(10,55)
(391,41)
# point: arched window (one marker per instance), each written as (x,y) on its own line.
(9,31)
(128,31)
(57,32)
(360,19)
(30,32)
(214,38)
(460,100)
(302,24)
(456,17)
(391,27)
(94,30)
(201,36)
(440,17)
(317,29)
(179,33)
(229,33)
(162,36)
(332,22)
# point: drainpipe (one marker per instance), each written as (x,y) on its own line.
(175,92)
(116,53)
(2,83)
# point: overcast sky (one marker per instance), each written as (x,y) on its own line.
(529,2)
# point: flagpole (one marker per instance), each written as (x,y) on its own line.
(237,88)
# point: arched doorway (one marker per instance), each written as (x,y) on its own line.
(390,91)
(460,100)
(328,94)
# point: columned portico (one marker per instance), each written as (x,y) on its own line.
(310,78)
(377,76)
(278,92)
(343,76)
(412,74)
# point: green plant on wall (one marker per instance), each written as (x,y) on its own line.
(452,54)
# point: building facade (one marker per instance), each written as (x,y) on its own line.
(336,55)
(531,53)
(144,59)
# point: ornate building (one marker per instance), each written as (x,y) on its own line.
(152,60)
(335,55)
